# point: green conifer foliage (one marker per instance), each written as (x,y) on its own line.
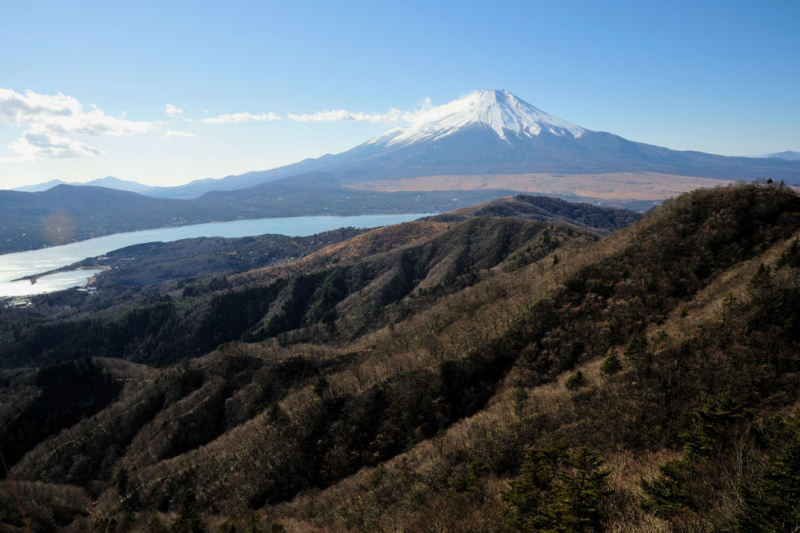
(576,381)
(774,505)
(559,492)
(791,256)
(611,365)
(638,353)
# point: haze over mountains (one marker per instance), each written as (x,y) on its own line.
(488,133)
(485,145)
(509,144)
(109,182)
(788,155)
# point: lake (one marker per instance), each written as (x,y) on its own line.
(21,264)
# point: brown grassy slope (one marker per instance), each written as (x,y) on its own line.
(419,484)
(372,242)
(348,299)
(145,431)
(430,343)
(408,481)
(547,208)
(609,186)
(487,363)
(416,488)
(392,238)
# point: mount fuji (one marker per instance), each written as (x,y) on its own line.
(492,139)
(500,111)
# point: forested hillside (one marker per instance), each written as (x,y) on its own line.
(467,373)
(68,213)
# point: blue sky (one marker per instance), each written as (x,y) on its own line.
(721,77)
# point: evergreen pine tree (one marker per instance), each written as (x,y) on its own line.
(611,365)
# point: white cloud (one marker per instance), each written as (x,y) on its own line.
(177,133)
(60,113)
(173,111)
(18,108)
(238,118)
(44,145)
(46,117)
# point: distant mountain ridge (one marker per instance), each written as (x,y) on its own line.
(67,213)
(788,155)
(109,182)
(40,187)
(493,132)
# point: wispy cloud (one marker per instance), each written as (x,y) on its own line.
(393,115)
(335,115)
(173,111)
(177,133)
(238,118)
(46,117)
(47,146)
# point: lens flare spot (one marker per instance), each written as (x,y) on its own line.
(59,228)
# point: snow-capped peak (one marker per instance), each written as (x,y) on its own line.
(498,109)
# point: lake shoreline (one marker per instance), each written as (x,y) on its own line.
(33,278)
(33,265)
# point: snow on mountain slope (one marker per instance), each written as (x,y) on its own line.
(499,110)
